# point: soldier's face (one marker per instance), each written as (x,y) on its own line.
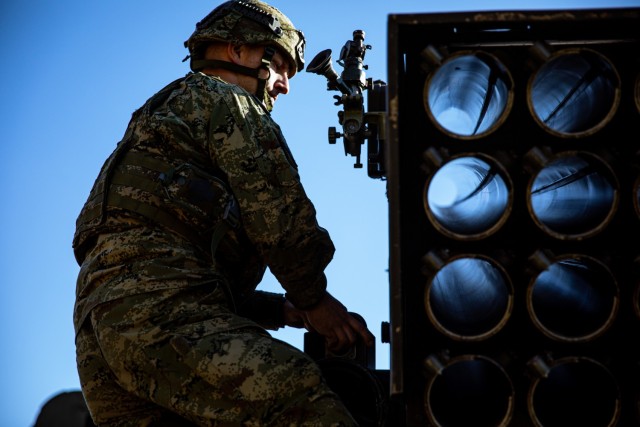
(277,77)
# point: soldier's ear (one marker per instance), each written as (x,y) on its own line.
(235,52)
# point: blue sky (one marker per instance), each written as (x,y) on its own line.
(73,71)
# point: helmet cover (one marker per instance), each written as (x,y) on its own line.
(250,22)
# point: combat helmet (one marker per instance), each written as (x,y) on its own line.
(247,22)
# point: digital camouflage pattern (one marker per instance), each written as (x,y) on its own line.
(132,367)
(143,243)
(250,22)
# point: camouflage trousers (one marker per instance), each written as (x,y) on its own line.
(181,358)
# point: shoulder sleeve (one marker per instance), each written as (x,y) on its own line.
(276,213)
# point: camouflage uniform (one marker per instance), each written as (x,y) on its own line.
(199,197)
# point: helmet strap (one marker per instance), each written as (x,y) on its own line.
(261,90)
(201,64)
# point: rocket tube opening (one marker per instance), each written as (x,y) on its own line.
(469,197)
(575,391)
(575,299)
(469,95)
(573,196)
(575,93)
(471,390)
(469,298)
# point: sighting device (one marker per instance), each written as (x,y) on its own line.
(357,124)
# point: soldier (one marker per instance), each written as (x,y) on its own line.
(199,197)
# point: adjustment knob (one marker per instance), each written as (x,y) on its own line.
(333,135)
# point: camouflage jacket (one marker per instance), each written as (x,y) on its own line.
(198,154)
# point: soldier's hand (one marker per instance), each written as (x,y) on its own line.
(340,329)
(293,316)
